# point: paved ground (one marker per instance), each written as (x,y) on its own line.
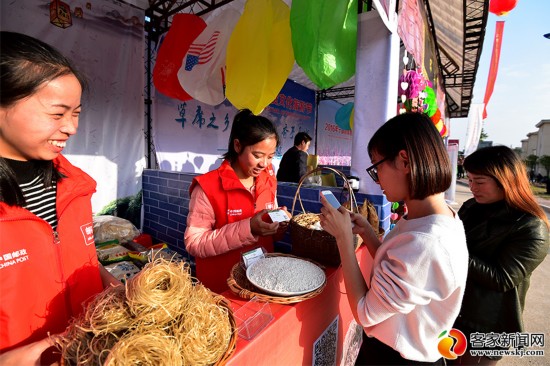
(537,305)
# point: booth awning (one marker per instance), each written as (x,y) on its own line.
(458,28)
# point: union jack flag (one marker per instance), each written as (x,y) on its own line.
(201,53)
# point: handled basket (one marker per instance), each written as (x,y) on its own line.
(318,245)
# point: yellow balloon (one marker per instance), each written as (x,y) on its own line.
(259,55)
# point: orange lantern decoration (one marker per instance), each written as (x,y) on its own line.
(60,14)
(502,7)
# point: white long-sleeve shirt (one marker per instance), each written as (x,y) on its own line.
(416,285)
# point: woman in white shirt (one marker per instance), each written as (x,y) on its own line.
(419,271)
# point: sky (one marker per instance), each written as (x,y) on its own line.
(521,95)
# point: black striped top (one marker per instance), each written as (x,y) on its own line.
(39,201)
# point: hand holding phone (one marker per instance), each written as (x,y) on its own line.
(329,196)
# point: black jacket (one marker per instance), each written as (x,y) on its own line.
(505,246)
(293,165)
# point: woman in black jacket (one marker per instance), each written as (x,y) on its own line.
(507,237)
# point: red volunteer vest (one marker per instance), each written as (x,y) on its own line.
(46,277)
(231,203)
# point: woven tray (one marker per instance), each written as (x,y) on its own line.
(240,285)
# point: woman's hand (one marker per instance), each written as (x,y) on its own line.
(259,227)
(26,355)
(337,222)
(283,225)
(286,211)
(360,224)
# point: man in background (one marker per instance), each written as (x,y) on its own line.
(294,162)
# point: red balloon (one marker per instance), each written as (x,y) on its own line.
(502,7)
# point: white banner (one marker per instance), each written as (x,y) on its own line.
(475,124)
(105,40)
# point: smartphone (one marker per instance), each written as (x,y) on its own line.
(329,196)
(278,215)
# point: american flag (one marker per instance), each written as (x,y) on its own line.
(201,53)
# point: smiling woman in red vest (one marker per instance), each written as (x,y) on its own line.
(227,204)
(48,261)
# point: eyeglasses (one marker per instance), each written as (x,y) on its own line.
(373,171)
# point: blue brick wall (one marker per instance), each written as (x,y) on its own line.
(166,205)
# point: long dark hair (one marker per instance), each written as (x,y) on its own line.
(415,133)
(249,129)
(26,63)
(505,166)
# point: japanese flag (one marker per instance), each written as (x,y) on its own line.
(202,73)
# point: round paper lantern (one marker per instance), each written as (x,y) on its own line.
(183,31)
(502,7)
(202,73)
(342,117)
(324,39)
(259,55)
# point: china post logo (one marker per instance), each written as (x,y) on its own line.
(452,345)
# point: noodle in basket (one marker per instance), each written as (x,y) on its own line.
(162,316)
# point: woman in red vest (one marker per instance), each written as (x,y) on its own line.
(227,204)
(48,262)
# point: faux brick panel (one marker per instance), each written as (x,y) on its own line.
(166,205)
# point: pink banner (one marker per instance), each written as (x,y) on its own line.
(493,69)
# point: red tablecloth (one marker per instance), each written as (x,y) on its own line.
(290,337)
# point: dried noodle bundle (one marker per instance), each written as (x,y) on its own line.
(203,337)
(159,293)
(89,337)
(151,348)
(160,318)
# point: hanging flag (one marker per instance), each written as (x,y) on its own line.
(493,68)
(202,72)
(183,31)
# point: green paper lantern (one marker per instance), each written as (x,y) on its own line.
(324,39)
(431,101)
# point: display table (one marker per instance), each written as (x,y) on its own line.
(290,337)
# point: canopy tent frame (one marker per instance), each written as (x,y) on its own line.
(458,70)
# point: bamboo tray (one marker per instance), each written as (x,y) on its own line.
(240,285)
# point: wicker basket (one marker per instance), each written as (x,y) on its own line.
(240,285)
(222,301)
(317,244)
